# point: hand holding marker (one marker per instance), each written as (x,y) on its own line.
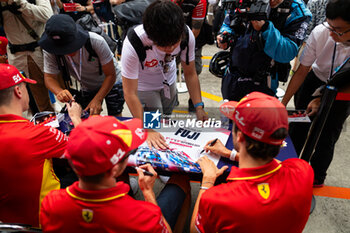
(211,144)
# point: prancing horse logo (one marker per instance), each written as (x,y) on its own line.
(264,190)
(87,215)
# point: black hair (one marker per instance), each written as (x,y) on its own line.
(94,179)
(261,150)
(6,95)
(338,9)
(164,22)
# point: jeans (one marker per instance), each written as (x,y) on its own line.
(170,201)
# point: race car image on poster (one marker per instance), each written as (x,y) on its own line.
(168,160)
(144,155)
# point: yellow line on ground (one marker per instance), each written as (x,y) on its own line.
(206,57)
(211,96)
(180,111)
(205,65)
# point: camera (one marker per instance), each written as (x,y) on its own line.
(248,10)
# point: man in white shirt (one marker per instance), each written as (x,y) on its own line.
(328,47)
(152,83)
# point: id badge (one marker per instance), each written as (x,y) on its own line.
(166,91)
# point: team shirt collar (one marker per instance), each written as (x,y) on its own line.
(12,118)
(120,190)
(253,173)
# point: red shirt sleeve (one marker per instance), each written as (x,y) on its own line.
(50,142)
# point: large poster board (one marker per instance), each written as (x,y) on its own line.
(185,145)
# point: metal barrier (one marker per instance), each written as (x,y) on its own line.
(110,29)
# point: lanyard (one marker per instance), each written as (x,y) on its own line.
(333,57)
(74,66)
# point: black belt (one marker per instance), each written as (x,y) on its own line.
(14,48)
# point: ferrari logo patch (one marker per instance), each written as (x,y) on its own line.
(264,190)
(87,215)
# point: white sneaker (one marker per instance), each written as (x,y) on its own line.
(164,179)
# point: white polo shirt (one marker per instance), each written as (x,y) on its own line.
(318,52)
(152,76)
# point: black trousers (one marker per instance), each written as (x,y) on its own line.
(114,99)
(340,110)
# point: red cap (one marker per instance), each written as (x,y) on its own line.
(258,116)
(100,142)
(3,45)
(10,76)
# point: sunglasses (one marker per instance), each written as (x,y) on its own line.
(334,31)
(167,58)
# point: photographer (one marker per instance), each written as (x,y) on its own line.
(23,50)
(263,38)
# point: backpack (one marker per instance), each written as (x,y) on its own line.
(129,14)
(89,24)
(103,10)
(141,49)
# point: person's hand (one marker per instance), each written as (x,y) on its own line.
(219,38)
(210,170)
(64,96)
(146,183)
(79,7)
(313,106)
(94,107)
(201,114)
(116,2)
(74,112)
(156,140)
(257,24)
(218,148)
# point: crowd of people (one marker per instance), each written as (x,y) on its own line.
(43,54)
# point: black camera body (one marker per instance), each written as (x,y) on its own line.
(249,9)
(244,12)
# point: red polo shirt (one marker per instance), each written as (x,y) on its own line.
(26,173)
(107,210)
(273,198)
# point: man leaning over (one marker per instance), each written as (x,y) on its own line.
(98,74)
(152,84)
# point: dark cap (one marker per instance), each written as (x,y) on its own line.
(62,35)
